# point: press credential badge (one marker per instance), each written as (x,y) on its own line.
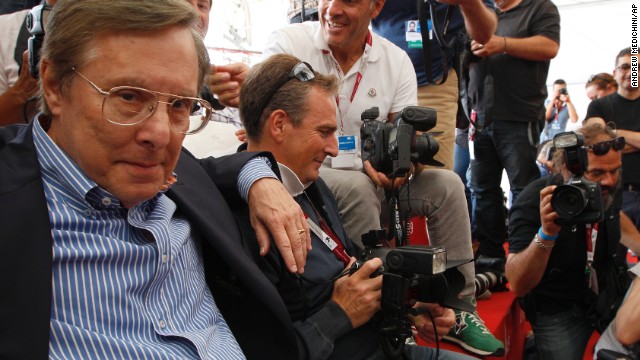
(346,152)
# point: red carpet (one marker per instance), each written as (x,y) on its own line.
(505,320)
(500,312)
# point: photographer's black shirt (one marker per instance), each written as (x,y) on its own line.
(564,281)
(625,114)
(509,88)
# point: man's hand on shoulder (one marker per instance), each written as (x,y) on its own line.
(275,212)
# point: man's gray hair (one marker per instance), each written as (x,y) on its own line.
(73,26)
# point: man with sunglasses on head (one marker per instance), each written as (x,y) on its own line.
(373,72)
(622,108)
(289,110)
(557,270)
(117,242)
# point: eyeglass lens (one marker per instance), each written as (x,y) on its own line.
(128,106)
(602,148)
(302,71)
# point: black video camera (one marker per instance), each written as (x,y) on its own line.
(578,201)
(410,273)
(392,147)
(36,22)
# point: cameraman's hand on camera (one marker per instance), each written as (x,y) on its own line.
(525,269)
(380,179)
(225,81)
(358,295)
(548,216)
(12,102)
(443,318)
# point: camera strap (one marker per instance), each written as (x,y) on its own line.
(424,30)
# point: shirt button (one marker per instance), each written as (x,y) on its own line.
(165,258)
(162,324)
(87,212)
(106,201)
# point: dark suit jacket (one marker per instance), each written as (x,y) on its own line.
(249,302)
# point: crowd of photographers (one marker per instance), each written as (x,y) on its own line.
(336,120)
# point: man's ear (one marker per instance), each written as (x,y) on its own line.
(50,87)
(377,6)
(278,125)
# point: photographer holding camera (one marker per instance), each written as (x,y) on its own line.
(563,236)
(288,109)
(17,86)
(558,111)
(374,72)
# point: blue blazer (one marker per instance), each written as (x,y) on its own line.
(248,301)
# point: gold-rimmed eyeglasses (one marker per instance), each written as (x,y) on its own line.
(130,105)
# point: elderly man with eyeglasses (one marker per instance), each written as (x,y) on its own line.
(561,257)
(116,242)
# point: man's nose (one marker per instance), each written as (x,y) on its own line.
(332,146)
(334,7)
(156,130)
(609,179)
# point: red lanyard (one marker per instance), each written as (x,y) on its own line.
(363,66)
(329,238)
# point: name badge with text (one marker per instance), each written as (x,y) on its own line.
(346,152)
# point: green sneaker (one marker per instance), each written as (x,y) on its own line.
(472,335)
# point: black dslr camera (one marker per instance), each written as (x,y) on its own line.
(409,273)
(579,201)
(562,91)
(36,22)
(392,147)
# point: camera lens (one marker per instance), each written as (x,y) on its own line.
(425,147)
(568,200)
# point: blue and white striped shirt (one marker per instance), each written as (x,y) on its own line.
(127,284)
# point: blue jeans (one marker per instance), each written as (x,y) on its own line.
(415,352)
(507,145)
(461,161)
(562,336)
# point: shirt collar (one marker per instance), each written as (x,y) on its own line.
(56,165)
(291,181)
(321,44)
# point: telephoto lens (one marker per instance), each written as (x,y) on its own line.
(486,281)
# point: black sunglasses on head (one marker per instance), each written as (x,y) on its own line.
(602,148)
(301,71)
